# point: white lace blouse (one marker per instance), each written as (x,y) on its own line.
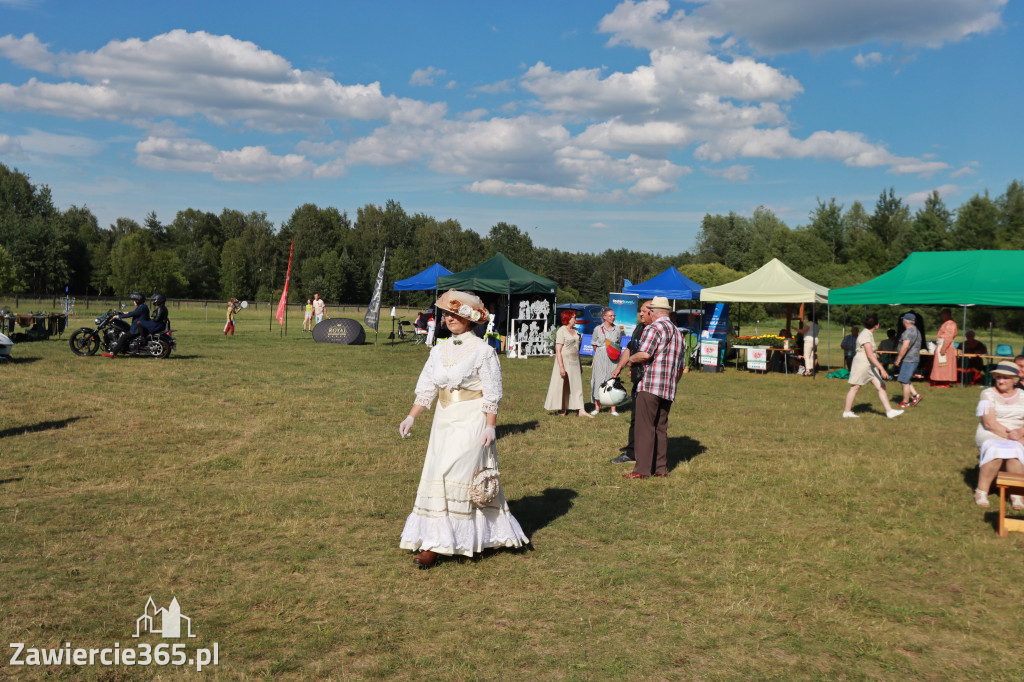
(462,361)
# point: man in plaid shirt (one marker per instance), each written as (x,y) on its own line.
(661,352)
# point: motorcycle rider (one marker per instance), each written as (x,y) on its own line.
(137,316)
(158,322)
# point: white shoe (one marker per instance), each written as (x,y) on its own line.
(614,413)
(851,415)
(595,412)
(1017,502)
(980,498)
(892,414)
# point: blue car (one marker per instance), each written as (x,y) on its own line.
(588,315)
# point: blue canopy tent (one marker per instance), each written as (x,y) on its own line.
(670,284)
(423,281)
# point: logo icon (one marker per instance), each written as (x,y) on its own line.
(170,620)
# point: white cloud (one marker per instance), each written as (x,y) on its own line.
(182,74)
(791,25)
(865,61)
(495,88)
(918,198)
(736,173)
(426,76)
(248,164)
(27,51)
(54,144)
(521,190)
(9,145)
(599,226)
(777,143)
(968,169)
(651,137)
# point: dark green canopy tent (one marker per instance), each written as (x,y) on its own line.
(944,278)
(499,275)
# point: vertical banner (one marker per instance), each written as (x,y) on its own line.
(282,305)
(626,307)
(372,317)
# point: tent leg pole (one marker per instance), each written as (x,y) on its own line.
(828,353)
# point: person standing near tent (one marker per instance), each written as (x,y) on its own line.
(636,373)
(849,346)
(565,390)
(907,360)
(661,354)
(944,361)
(811,330)
(866,369)
(605,339)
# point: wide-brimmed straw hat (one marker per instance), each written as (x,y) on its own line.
(1006,368)
(463,304)
(659,303)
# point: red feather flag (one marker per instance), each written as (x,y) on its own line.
(282,305)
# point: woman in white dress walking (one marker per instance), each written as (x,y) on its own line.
(463,373)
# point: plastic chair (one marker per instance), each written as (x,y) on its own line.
(1004,350)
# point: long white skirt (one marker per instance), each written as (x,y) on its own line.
(442,518)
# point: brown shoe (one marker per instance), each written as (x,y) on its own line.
(425,559)
(633,474)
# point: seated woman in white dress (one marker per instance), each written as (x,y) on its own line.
(1000,432)
(463,373)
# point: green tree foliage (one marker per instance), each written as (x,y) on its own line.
(977,225)
(7,278)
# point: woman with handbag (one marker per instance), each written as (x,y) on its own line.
(460,507)
(605,339)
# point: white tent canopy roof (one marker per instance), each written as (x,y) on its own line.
(774,282)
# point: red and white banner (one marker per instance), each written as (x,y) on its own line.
(282,305)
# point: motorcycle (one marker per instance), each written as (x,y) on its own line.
(86,341)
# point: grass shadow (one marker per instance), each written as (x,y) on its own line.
(11,480)
(512,429)
(970,475)
(20,361)
(40,426)
(534,512)
(683,449)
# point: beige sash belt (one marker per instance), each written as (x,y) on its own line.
(447,396)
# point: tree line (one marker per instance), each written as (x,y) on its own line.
(205,255)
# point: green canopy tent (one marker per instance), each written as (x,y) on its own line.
(963,278)
(499,275)
(944,278)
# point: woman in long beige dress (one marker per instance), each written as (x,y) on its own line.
(565,391)
(944,362)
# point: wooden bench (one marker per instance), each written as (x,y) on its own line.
(1009,484)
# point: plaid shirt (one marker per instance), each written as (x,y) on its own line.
(663,342)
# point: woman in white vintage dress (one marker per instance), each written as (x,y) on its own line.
(1000,432)
(463,373)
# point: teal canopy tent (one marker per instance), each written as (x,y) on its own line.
(944,278)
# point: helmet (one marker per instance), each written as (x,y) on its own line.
(136,297)
(611,392)
(159,299)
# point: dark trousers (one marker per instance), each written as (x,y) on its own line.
(651,434)
(630,448)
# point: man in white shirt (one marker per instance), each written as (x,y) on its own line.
(318,308)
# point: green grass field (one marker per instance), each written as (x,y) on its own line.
(261,481)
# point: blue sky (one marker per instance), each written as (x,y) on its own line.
(589,124)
